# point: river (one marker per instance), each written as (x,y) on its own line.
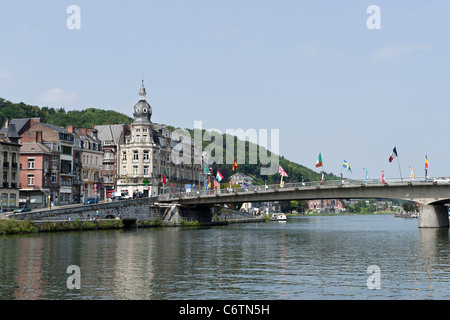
(316,257)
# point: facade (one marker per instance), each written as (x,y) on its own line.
(111,136)
(146,156)
(87,161)
(326,206)
(60,144)
(39,171)
(10,154)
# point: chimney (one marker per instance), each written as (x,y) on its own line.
(70,129)
(34,120)
(38,136)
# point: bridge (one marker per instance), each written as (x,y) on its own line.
(432,194)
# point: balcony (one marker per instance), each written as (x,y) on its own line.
(5,164)
(5,184)
(14,165)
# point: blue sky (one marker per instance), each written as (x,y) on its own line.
(309,68)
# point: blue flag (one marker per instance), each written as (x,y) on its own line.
(347,166)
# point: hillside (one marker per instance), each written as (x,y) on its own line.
(91,116)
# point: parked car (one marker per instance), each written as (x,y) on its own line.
(139,195)
(90,201)
(117,198)
(25,208)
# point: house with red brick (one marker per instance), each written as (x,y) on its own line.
(47,165)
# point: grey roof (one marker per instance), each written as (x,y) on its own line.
(19,123)
(110,132)
(12,132)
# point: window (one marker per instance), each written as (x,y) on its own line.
(138,138)
(124,156)
(135,155)
(30,163)
(135,171)
(146,171)
(124,170)
(54,177)
(145,156)
(31,179)
(66,150)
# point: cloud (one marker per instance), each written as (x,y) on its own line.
(400,51)
(58,96)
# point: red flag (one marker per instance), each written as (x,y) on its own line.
(235,165)
(164,177)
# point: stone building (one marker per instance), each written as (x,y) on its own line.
(111,136)
(10,155)
(145,158)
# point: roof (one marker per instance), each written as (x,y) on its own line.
(34,147)
(110,132)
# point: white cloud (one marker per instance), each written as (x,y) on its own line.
(400,51)
(58,96)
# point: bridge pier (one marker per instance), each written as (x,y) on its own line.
(433,216)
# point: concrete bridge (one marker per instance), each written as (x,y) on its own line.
(432,194)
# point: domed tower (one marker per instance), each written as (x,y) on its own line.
(142,111)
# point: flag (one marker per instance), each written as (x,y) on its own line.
(319,161)
(164,177)
(393,155)
(426,162)
(382,177)
(219,176)
(235,165)
(282,172)
(412,173)
(347,166)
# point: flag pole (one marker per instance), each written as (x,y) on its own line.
(401,177)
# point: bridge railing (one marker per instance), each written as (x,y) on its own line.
(341,183)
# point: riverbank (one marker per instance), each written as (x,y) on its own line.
(36,226)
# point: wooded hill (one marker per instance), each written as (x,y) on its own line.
(91,116)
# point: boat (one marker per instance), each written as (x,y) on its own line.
(279,216)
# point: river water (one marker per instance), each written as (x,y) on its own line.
(319,257)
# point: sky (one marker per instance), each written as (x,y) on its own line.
(314,70)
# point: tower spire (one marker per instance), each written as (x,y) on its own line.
(142,92)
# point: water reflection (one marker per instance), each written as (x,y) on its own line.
(304,258)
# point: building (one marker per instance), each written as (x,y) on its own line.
(39,171)
(326,206)
(242,179)
(111,136)
(88,156)
(57,143)
(10,154)
(145,159)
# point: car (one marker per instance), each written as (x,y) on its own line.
(441,180)
(25,208)
(117,198)
(90,201)
(139,195)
